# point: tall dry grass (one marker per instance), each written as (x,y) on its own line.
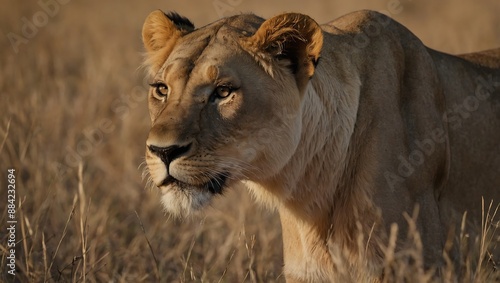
(73,122)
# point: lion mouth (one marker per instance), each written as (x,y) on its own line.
(214,185)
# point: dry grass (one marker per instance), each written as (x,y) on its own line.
(75,87)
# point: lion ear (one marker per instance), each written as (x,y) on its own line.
(160,32)
(294,37)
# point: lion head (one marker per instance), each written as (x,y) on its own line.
(224,102)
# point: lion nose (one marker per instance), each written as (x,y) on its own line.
(169,153)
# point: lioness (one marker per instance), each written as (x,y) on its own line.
(344,128)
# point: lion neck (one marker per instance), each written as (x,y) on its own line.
(318,200)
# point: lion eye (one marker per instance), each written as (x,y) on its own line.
(160,90)
(223,91)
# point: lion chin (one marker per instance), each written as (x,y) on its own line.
(182,199)
(183,202)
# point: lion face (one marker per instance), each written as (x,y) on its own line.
(218,114)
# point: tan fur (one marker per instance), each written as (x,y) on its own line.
(343,148)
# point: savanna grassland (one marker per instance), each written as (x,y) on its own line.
(73,125)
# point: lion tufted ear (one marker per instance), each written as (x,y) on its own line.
(294,37)
(160,32)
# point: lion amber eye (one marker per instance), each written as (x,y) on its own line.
(160,90)
(223,91)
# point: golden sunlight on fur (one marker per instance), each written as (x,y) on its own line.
(356,133)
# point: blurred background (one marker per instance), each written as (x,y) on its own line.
(73,124)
